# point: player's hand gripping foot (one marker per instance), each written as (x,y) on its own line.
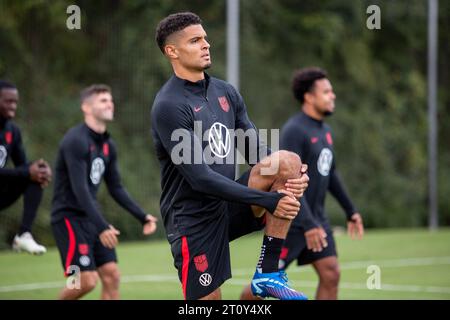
(25,242)
(274,285)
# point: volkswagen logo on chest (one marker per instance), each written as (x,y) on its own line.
(97,170)
(325,161)
(219,140)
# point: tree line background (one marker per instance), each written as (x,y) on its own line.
(379,76)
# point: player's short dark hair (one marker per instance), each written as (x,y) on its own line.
(303,81)
(6,85)
(174,23)
(92,90)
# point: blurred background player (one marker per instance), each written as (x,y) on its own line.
(27,179)
(85,240)
(310,239)
(202,206)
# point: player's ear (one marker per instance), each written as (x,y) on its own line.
(308,97)
(171,51)
(85,107)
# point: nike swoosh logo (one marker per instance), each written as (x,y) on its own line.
(197,109)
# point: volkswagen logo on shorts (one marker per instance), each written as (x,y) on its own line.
(205,279)
(97,169)
(85,261)
(219,140)
(3,155)
(324,162)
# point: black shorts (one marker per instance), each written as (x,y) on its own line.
(203,258)
(79,245)
(294,247)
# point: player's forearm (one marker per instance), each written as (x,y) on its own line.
(121,196)
(338,191)
(19,157)
(211,183)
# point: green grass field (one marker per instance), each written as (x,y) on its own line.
(415,264)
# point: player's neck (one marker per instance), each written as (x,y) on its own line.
(311,112)
(95,125)
(189,75)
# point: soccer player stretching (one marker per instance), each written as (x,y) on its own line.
(203,208)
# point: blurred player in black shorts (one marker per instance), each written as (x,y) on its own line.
(310,239)
(27,179)
(194,117)
(85,240)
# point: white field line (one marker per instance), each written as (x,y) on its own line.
(358,286)
(394,263)
(312,284)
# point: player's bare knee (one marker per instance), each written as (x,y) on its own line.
(112,278)
(289,165)
(115,277)
(290,162)
(88,282)
(331,276)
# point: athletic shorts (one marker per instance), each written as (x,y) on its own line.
(79,245)
(294,247)
(203,258)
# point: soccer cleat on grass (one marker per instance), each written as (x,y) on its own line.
(274,285)
(25,242)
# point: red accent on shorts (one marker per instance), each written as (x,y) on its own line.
(329,139)
(314,140)
(201,263)
(83,248)
(185,268)
(72,242)
(106,149)
(8,137)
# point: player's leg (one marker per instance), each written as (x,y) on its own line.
(261,177)
(110,278)
(10,191)
(288,166)
(326,266)
(215,295)
(107,268)
(31,200)
(32,193)
(292,247)
(87,282)
(329,275)
(75,246)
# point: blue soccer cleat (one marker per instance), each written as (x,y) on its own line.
(275,285)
